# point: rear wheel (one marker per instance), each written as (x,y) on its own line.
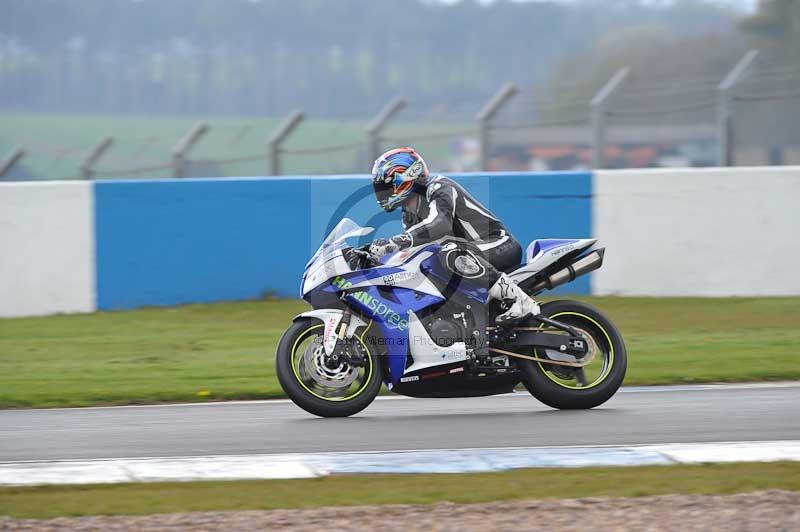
(604,366)
(316,383)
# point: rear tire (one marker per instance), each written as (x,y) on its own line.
(552,384)
(301,387)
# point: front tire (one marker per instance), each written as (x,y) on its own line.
(326,392)
(567,388)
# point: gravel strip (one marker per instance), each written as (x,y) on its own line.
(765,510)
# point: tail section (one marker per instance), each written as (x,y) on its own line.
(554,262)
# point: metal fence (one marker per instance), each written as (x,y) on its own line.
(748,114)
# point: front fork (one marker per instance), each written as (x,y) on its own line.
(335,341)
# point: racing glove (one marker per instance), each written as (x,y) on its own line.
(382,246)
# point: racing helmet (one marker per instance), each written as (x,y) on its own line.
(394,176)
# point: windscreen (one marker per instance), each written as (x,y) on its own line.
(345,229)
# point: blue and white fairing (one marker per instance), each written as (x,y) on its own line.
(391,294)
(542,253)
(403,269)
(394,293)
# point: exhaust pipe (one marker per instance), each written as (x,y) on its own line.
(585,264)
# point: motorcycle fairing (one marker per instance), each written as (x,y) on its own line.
(539,249)
(391,309)
(321,269)
(396,344)
(542,253)
(410,273)
(453,283)
(426,353)
(411,269)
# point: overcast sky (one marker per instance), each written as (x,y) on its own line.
(740,5)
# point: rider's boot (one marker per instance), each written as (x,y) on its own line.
(522,305)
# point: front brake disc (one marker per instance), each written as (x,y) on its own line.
(314,358)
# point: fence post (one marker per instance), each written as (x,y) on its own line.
(10,160)
(276,139)
(183,146)
(378,124)
(725,142)
(598,105)
(484,118)
(87,166)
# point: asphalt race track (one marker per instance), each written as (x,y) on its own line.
(634,416)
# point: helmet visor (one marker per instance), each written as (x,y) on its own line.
(383,193)
(390,197)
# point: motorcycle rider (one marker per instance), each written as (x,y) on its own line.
(435,207)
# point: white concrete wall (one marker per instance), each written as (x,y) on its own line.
(698,232)
(47,261)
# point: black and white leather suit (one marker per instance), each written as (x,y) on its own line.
(444,208)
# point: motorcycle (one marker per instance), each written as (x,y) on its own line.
(405,320)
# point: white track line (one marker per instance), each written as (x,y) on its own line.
(308,465)
(677,388)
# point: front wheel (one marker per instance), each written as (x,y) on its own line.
(604,367)
(316,383)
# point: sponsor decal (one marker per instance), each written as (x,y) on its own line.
(456,370)
(330,324)
(329,337)
(559,251)
(453,353)
(415,170)
(395,278)
(377,308)
(505,288)
(410,379)
(431,189)
(434,375)
(343,284)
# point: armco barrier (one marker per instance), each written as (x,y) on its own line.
(128,244)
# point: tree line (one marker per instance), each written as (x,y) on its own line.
(341,58)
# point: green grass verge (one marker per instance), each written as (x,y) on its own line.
(226,350)
(137,499)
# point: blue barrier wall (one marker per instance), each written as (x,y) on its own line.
(169,242)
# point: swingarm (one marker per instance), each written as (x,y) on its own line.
(572,343)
